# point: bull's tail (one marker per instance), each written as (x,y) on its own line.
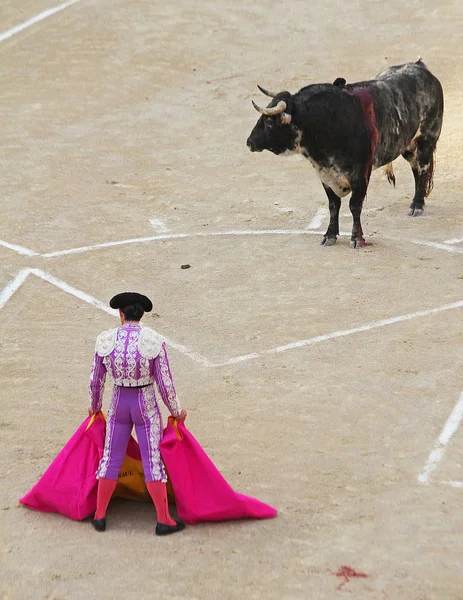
(429,180)
(389,172)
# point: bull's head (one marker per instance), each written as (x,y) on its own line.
(273,131)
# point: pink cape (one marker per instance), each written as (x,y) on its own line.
(69,485)
(201,493)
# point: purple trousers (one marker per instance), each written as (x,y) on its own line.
(129,407)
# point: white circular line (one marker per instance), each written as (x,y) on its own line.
(40,17)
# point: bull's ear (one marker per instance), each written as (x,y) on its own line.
(285,118)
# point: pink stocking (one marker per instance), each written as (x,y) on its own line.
(158,493)
(105,491)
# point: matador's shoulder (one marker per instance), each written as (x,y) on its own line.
(106,342)
(149,342)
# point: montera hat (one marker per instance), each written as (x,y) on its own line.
(129,298)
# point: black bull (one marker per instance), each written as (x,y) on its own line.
(346,131)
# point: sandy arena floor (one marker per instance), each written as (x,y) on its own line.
(127,120)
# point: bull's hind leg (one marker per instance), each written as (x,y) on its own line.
(330,237)
(356,203)
(359,191)
(420,155)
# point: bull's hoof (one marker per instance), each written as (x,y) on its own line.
(358,243)
(328,241)
(415,212)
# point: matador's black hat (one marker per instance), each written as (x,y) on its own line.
(128,298)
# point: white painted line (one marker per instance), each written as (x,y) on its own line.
(454,241)
(40,17)
(158,225)
(62,285)
(455,484)
(343,333)
(140,240)
(319,217)
(166,236)
(183,350)
(11,287)
(444,246)
(453,422)
(173,236)
(433,460)
(237,359)
(19,249)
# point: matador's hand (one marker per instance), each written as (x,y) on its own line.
(182,416)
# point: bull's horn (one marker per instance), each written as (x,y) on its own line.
(266,92)
(275,110)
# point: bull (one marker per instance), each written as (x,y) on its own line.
(348,130)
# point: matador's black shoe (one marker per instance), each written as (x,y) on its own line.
(163,529)
(99,524)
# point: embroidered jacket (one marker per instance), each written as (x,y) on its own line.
(133,356)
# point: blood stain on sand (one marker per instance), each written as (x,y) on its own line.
(347,573)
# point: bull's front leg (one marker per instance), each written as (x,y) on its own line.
(330,237)
(355,204)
